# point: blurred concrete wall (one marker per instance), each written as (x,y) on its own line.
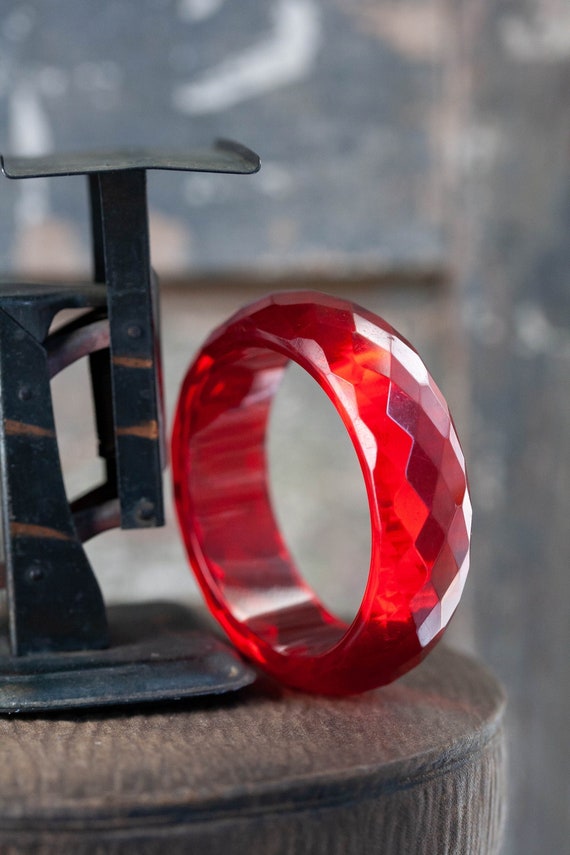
(332,94)
(419,143)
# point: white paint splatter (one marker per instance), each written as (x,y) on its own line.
(536,335)
(199,189)
(274,180)
(198,10)
(486,325)
(30,132)
(285,56)
(30,136)
(544,37)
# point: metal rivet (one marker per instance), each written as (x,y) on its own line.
(145,510)
(134,331)
(24,393)
(35,574)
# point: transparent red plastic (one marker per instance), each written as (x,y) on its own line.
(414,471)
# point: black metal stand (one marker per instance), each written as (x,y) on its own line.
(54,603)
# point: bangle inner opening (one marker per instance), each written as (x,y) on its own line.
(248,559)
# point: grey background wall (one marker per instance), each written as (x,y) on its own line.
(415,159)
(302,80)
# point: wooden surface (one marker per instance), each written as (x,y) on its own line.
(416,767)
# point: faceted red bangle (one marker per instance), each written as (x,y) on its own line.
(413,468)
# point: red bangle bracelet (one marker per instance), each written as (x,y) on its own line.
(415,479)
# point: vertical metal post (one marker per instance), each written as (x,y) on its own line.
(122,260)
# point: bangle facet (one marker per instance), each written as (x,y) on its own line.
(414,472)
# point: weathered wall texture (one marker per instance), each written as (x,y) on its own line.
(396,136)
(302,81)
(513,260)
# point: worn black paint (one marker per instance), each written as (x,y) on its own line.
(54,602)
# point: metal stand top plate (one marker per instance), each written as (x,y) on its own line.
(225,156)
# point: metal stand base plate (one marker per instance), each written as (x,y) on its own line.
(158,651)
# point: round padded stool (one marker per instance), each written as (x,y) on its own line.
(414,767)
